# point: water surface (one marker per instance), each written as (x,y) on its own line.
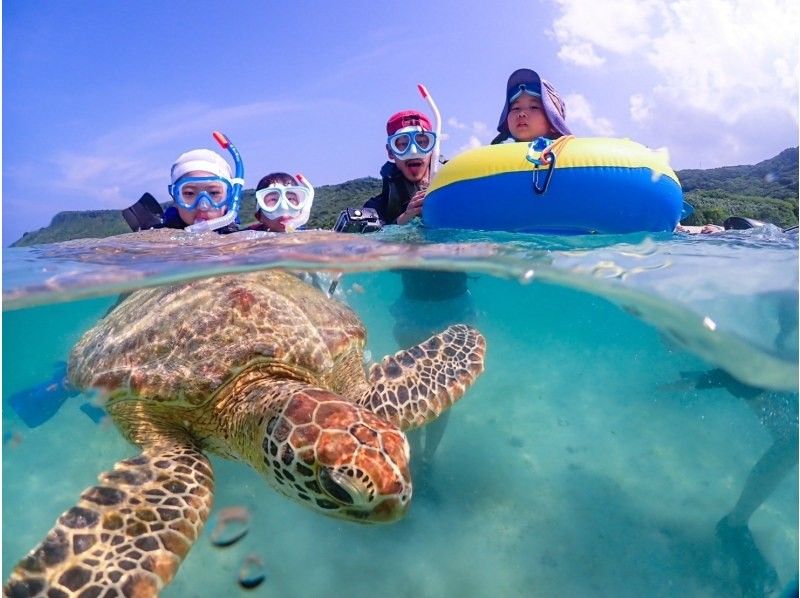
(584,461)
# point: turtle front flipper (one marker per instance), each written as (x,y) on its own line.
(128,534)
(414,386)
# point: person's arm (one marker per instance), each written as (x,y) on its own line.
(696,230)
(413,209)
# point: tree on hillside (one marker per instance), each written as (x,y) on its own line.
(765,191)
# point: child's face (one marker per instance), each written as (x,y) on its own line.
(416,169)
(276,226)
(416,166)
(526,119)
(192,216)
(204,211)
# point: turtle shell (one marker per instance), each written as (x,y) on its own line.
(184,341)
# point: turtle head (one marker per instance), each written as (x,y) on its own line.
(337,458)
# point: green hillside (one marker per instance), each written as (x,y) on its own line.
(766,191)
(76,225)
(329,200)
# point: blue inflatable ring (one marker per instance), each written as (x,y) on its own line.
(594,185)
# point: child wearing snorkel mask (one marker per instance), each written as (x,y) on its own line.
(406,175)
(283,203)
(201,188)
(430,300)
(532,109)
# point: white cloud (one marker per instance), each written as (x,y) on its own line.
(727,58)
(472,143)
(722,58)
(472,135)
(103,178)
(616,26)
(581,54)
(580,111)
(640,108)
(455,123)
(732,143)
(118,165)
(178,121)
(480,128)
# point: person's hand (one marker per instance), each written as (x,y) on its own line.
(414,208)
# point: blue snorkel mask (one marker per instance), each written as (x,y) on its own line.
(523,89)
(411,142)
(210,192)
(217,192)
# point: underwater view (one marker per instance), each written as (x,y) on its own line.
(631,428)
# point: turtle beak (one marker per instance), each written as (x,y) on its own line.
(391,509)
(387,511)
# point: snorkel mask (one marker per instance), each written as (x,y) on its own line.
(210,192)
(411,142)
(293,201)
(523,89)
(216,192)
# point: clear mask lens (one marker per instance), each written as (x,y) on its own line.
(405,143)
(280,198)
(192,193)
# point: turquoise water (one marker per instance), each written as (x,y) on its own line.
(583,462)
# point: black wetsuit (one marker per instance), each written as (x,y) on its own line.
(394,197)
(420,285)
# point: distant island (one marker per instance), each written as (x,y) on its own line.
(329,201)
(766,191)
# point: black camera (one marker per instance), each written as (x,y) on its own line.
(358,220)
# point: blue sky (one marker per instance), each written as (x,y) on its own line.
(100,97)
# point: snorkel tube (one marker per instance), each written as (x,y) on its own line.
(304,181)
(305,213)
(435,153)
(238,182)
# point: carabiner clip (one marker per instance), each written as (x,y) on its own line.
(548,158)
(541,146)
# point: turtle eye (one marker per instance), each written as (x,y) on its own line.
(332,488)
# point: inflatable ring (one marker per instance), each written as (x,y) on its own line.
(577,185)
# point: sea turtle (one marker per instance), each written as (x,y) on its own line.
(258,367)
